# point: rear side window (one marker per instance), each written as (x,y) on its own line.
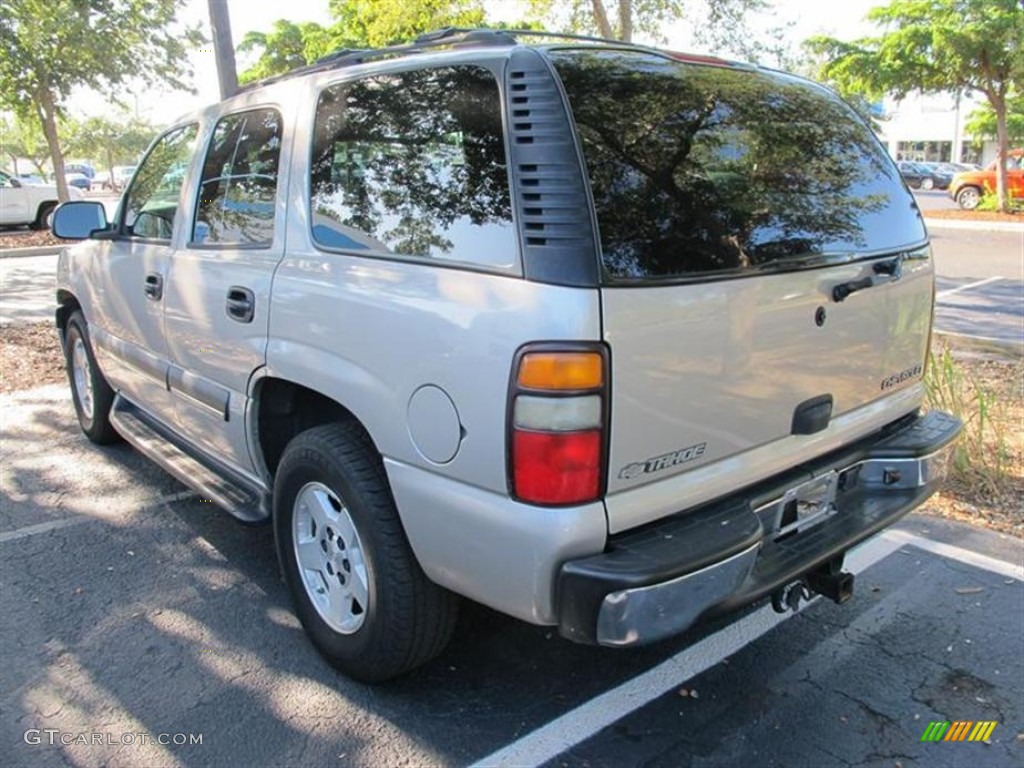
(239,182)
(704,170)
(413,165)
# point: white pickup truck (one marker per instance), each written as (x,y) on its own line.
(32,204)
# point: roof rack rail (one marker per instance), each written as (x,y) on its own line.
(448,36)
(343,57)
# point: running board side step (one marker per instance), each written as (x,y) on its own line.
(241,497)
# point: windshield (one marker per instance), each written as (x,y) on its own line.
(699,170)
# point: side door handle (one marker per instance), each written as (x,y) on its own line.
(154,286)
(241,304)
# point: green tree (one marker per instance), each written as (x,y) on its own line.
(384,22)
(20,139)
(115,142)
(357,25)
(622,19)
(287,46)
(981,123)
(48,48)
(937,46)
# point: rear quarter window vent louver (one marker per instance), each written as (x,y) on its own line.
(549,191)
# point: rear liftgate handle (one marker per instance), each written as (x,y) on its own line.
(885,272)
(241,304)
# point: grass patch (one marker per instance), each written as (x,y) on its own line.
(990,203)
(985,462)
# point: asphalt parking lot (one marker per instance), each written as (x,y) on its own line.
(136,613)
(132,608)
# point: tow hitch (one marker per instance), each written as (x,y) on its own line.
(828,580)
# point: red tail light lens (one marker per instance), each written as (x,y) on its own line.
(557,467)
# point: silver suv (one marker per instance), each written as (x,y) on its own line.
(601,336)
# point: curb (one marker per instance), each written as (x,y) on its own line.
(978,226)
(983,344)
(39,250)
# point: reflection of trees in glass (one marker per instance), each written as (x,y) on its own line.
(157,184)
(410,160)
(239,181)
(698,169)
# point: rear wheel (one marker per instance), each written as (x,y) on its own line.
(968,198)
(44,215)
(927,183)
(357,587)
(91,393)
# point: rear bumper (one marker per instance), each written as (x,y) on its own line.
(656,581)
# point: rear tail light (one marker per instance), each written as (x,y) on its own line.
(558,424)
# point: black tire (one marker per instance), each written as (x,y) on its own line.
(408,619)
(927,183)
(94,421)
(43,216)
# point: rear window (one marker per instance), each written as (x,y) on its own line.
(701,170)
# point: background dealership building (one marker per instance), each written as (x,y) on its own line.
(931,128)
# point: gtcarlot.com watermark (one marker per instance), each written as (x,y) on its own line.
(53,737)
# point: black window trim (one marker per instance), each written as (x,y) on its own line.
(120,231)
(190,243)
(497,70)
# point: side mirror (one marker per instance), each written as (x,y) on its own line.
(15,182)
(79,219)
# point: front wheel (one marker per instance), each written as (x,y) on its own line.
(968,198)
(92,395)
(356,585)
(927,183)
(44,216)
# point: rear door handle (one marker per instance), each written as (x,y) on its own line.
(241,304)
(154,286)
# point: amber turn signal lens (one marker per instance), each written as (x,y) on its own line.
(561,370)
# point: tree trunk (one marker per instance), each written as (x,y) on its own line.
(1002,145)
(47,114)
(601,18)
(110,169)
(626,20)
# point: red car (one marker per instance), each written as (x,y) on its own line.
(968,188)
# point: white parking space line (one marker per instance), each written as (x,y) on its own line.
(579,724)
(977,283)
(53,525)
(1003,568)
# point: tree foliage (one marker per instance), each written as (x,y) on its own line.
(49,48)
(23,139)
(357,25)
(721,21)
(981,123)
(936,46)
(111,141)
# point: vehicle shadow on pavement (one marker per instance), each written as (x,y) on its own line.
(143,615)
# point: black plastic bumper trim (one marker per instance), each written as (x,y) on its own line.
(696,539)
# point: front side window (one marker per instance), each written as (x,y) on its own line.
(705,170)
(151,207)
(413,164)
(239,182)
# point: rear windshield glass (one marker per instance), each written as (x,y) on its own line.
(700,170)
